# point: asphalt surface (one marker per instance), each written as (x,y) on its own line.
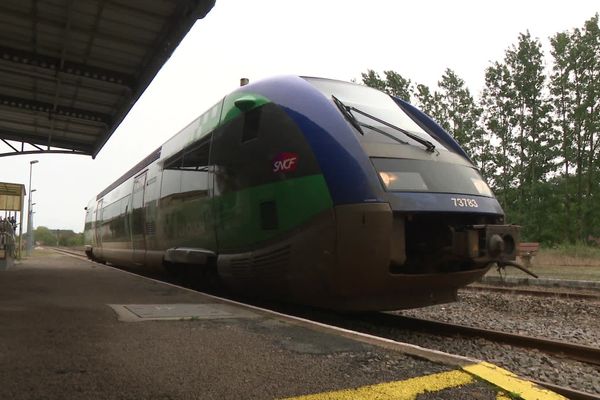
(60,339)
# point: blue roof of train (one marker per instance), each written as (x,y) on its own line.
(432,127)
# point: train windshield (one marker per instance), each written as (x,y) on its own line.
(379,105)
(406,175)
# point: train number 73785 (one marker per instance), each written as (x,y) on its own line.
(464,202)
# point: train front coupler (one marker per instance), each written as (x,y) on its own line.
(489,244)
(500,242)
(492,243)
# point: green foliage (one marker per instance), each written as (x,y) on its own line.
(575,94)
(431,104)
(372,79)
(535,138)
(44,236)
(57,237)
(394,83)
(397,85)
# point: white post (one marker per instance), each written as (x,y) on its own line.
(30,236)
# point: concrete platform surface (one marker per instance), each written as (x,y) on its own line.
(73,329)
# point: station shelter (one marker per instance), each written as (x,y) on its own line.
(11,206)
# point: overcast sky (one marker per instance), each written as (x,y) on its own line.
(261,38)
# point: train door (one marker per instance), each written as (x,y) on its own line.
(98,224)
(138,219)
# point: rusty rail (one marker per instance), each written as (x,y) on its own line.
(569,393)
(587,354)
(529,292)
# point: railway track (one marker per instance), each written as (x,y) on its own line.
(533,292)
(569,393)
(68,251)
(587,354)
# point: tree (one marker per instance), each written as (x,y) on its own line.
(57,237)
(517,115)
(431,104)
(575,89)
(537,145)
(497,116)
(563,103)
(462,117)
(372,79)
(44,236)
(397,85)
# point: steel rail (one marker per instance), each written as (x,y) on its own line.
(587,354)
(568,392)
(68,251)
(530,292)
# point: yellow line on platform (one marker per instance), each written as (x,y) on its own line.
(510,383)
(400,390)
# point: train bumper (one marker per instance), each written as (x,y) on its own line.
(369,241)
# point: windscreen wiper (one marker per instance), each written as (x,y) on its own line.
(346,110)
(355,123)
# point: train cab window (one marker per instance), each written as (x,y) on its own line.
(194,167)
(251,124)
(195,157)
(171,176)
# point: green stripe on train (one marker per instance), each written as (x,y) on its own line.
(296,200)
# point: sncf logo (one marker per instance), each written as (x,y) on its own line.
(285,162)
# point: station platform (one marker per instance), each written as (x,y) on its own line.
(74,329)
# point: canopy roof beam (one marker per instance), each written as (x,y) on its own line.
(68,67)
(52,110)
(11,140)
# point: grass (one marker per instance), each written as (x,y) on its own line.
(555,272)
(39,252)
(576,262)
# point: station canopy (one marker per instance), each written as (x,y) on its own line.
(70,70)
(11,196)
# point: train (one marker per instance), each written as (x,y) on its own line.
(311,191)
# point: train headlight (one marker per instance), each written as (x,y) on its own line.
(403,181)
(482,187)
(387,178)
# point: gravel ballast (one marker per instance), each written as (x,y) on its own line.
(569,320)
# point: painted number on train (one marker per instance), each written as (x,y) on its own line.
(464,202)
(285,162)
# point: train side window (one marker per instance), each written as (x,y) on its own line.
(196,156)
(194,168)
(171,176)
(251,124)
